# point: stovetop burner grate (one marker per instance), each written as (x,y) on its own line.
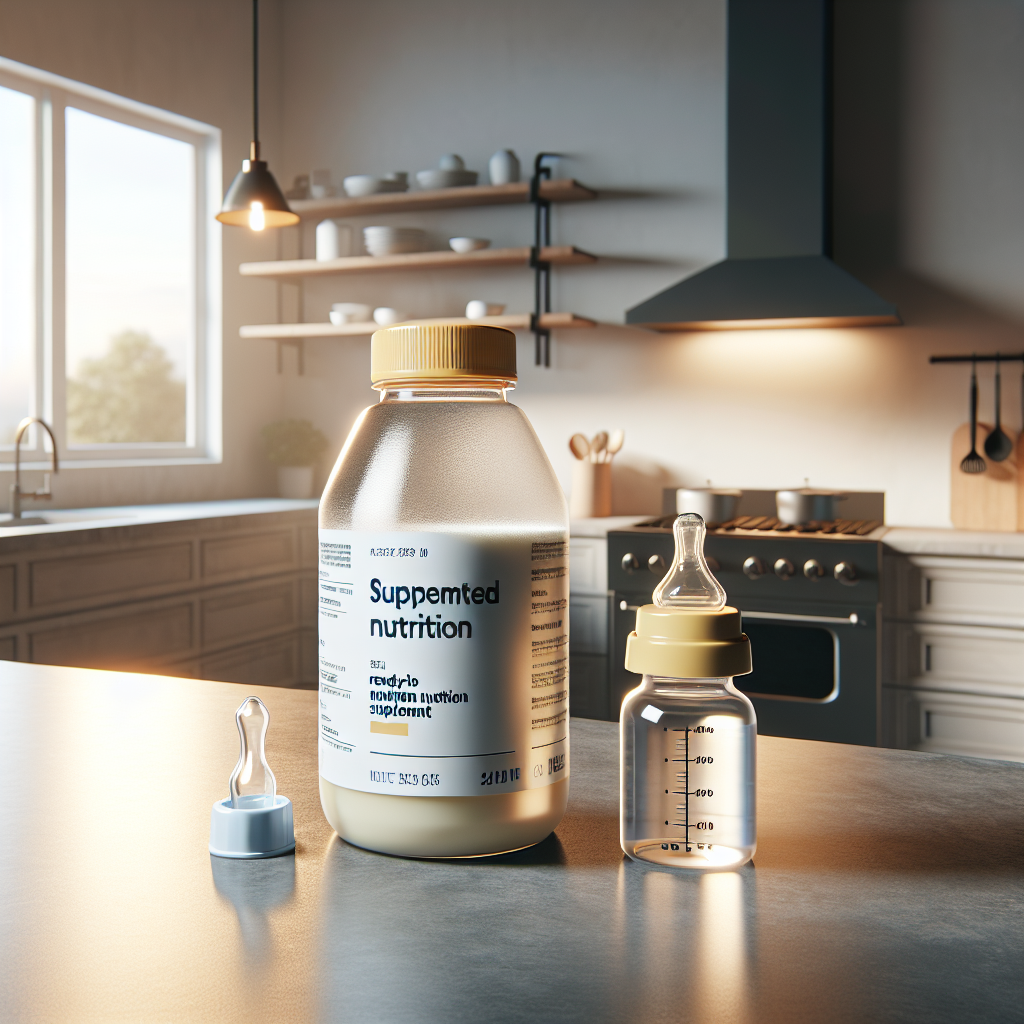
(763,524)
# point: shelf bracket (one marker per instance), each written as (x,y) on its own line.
(299,344)
(541,268)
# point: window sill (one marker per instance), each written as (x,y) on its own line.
(67,463)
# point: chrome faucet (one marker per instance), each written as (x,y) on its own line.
(16,492)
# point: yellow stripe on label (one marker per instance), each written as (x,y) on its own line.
(390,728)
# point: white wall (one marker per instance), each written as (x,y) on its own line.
(192,57)
(634,93)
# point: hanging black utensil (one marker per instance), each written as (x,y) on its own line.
(998,445)
(973,462)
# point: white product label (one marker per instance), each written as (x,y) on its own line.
(444,663)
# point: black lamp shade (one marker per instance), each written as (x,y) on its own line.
(255,184)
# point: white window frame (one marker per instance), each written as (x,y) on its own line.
(203,443)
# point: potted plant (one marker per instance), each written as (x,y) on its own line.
(294,446)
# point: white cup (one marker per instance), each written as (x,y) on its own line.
(328,240)
(386,316)
(477,309)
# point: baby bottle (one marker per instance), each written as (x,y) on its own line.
(688,736)
(443,577)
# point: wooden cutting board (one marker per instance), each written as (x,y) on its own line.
(993,500)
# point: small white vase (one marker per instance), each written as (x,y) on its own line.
(503,167)
(295,481)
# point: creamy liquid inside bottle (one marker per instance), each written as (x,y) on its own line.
(444,609)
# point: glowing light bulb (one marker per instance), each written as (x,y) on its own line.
(252,782)
(257,220)
(689,582)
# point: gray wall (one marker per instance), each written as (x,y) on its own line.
(928,208)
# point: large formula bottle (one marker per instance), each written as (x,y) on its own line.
(444,587)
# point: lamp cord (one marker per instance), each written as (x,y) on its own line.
(256,79)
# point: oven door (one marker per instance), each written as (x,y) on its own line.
(815,677)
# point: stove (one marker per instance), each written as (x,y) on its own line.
(810,599)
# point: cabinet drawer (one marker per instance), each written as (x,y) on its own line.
(970,591)
(974,659)
(120,640)
(8,648)
(953,723)
(76,578)
(249,613)
(588,565)
(257,554)
(588,624)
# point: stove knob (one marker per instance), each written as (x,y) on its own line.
(630,563)
(656,564)
(712,563)
(784,568)
(754,567)
(846,573)
(813,569)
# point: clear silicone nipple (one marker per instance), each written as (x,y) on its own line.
(689,583)
(252,782)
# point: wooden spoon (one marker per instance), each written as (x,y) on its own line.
(614,445)
(598,443)
(579,446)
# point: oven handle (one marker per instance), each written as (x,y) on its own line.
(838,620)
(852,619)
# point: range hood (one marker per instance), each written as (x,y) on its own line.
(778,271)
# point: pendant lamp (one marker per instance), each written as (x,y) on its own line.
(254,199)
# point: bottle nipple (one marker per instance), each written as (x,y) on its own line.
(252,782)
(689,583)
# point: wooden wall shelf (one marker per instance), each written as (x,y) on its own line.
(557,255)
(561,190)
(513,321)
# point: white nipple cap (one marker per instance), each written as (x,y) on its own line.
(253,821)
(689,583)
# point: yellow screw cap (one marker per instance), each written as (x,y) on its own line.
(439,351)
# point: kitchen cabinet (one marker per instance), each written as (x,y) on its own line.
(230,597)
(953,653)
(588,627)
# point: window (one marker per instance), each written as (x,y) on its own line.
(109,275)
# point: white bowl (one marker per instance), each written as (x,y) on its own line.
(477,309)
(350,313)
(386,316)
(367,185)
(438,178)
(468,244)
(388,241)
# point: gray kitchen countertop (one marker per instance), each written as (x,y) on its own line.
(960,543)
(74,519)
(887,886)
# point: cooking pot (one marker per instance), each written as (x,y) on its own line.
(807,506)
(714,505)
